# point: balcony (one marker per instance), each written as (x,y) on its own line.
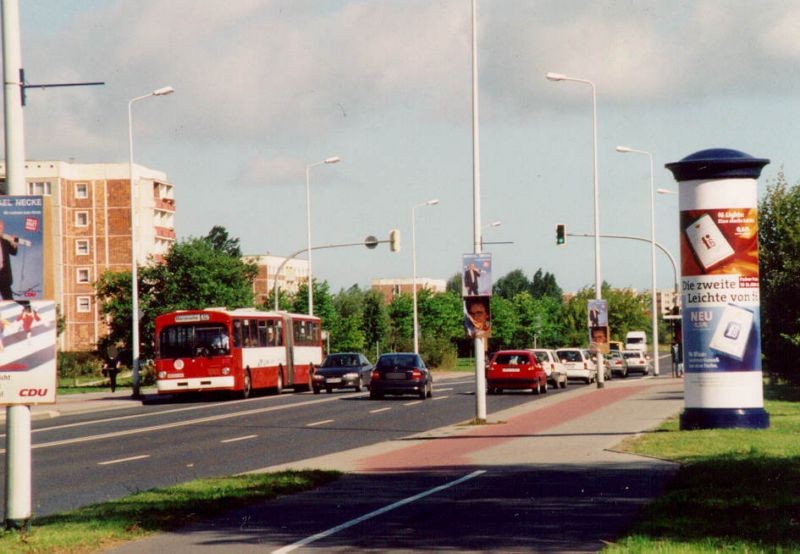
(165,204)
(165,233)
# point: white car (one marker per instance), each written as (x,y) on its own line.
(556,372)
(578,363)
(637,361)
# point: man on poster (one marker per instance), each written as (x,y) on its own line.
(598,326)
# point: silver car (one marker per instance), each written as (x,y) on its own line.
(637,361)
(556,372)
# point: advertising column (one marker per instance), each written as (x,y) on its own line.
(720,290)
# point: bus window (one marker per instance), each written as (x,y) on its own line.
(176,342)
(262,333)
(279,333)
(314,332)
(237,333)
(211,340)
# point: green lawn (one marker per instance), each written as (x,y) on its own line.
(737,490)
(98,527)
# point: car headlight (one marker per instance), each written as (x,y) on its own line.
(318,377)
(162,374)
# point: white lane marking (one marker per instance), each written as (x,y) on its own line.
(236,439)
(176,410)
(183,423)
(441,397)
(323,422)
(413,403)
(380,511)
(441,389)
(379,410)
(122,460)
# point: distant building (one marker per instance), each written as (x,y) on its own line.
(667,300)
(87,213)
(292,275)
(390,288)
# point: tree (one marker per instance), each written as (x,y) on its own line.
(455,284)
(779,253)
(194,274)
(221,242)
(545,285)
(376,323)
(346,331)
(512,284)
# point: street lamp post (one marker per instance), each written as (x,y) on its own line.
(331,160)
(134,252)
(497,223)
(414,267)
(654,304)
(597,281)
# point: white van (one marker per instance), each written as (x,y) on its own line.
(636,340)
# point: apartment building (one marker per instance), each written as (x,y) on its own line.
(289,274)
(87,213)
(390,288)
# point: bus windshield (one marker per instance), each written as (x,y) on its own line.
(191,341)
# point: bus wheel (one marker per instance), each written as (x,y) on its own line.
(248,385)
(279,383)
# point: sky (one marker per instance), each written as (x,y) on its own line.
(266,88)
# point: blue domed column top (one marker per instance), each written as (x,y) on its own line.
(717,163)
(720,309)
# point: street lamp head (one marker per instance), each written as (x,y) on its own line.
(497,223)
(333,160)
(665,191)
(555,76)
(432,202)
(624,149)
(163,91)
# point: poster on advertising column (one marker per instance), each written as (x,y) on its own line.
(720,288)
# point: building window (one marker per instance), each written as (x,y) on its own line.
(81,219)
(82,247)
(84,304)
(83,274)
(40,188)
(81,190)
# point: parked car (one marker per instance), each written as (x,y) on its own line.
(555,370)
(342,370)
(400,373)
(617,363)
(637,361)
(515,369)
(578,363)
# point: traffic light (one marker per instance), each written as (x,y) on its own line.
(561,234)
(394,240)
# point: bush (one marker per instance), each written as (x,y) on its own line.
(78,364)
(438,352)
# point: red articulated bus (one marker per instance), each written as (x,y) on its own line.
(235,350)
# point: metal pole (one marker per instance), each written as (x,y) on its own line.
(597,279)
(415,330)
(18,418)
(308,239)
(656,370)
(480,365)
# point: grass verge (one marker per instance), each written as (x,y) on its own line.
(737,490)
(97,527)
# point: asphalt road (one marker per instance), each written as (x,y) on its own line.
(82,459)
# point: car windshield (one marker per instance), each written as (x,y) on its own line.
(341,360)
(397,361)
(570,355)
(184,341)
(540,356)
(512,359)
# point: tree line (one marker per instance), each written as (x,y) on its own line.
(210,271)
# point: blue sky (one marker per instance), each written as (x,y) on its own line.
(264,88)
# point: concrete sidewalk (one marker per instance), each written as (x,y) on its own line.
(552,460)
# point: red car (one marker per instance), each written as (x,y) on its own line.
(515,369)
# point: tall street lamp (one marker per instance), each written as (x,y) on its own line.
(134,253)
(331,160)
(654,305)
(497,223)
(414,267)
(597,281)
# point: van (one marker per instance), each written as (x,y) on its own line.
(616,345)
(636,340)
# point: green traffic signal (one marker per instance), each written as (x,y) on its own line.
(561,234)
